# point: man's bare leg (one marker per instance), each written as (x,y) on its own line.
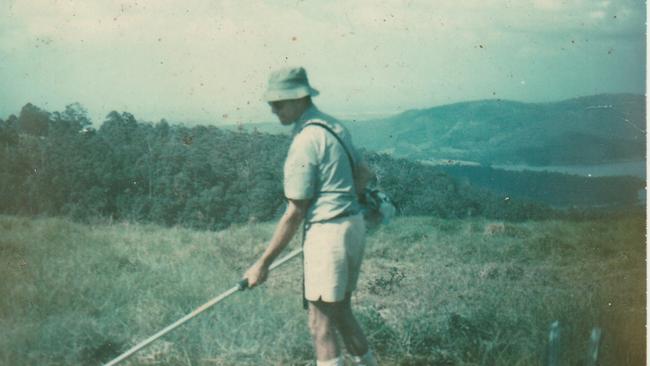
(339,315)
(322,329)
(353,337)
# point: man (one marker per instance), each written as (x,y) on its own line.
(320,186)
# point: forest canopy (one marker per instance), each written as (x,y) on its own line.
(201,176)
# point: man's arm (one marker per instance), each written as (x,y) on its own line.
(284,232)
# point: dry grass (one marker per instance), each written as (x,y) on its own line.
(433,292)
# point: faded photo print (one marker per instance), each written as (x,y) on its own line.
(302,182)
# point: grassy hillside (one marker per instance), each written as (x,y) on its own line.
(433,291)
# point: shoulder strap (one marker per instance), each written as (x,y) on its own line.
(328,129)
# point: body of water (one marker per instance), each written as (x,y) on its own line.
(633,168)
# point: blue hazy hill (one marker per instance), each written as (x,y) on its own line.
(586,130)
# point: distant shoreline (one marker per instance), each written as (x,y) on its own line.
(636,168)
(623,168)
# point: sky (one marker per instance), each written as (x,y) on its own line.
(201,61)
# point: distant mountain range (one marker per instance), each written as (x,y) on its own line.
(587,130)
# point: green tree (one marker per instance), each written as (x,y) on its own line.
(33,120)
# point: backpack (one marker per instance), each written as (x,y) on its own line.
(377,208)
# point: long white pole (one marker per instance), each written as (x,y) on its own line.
(241,286)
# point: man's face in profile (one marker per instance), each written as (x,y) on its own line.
(288,111)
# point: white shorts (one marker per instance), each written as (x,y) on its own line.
(333,252)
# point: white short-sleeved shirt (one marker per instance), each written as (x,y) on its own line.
(317,168)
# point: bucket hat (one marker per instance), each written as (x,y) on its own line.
(288,83)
